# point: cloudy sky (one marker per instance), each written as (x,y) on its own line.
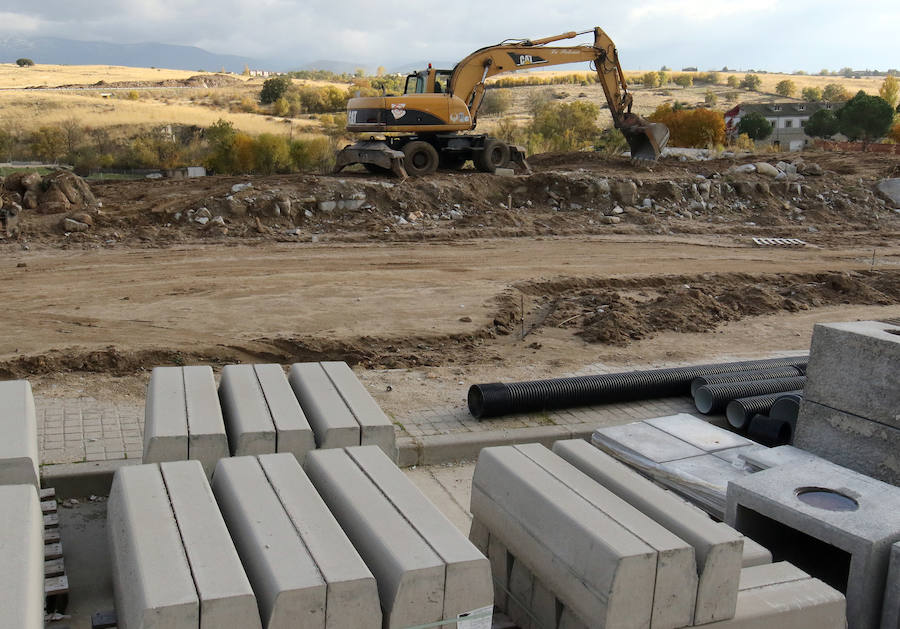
(774,35)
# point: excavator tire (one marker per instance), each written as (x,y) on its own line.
(420,158)
(494,155)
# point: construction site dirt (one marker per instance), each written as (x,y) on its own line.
(445,280)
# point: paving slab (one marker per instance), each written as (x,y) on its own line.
(764,458)
(352,593)
(468,574)
(19,456)
(375,427)
(866,446)
(718,550)
(830,521)
(853,368)
(890,615)
(21,558)
(646,441)
(151,576)
(593,564)
(183,419)
(226,598)
(285,578)
(410,574)
(331,420)
(675,589)
(699,432)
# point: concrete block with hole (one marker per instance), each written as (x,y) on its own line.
(21,558)
(19,456)
(261,412)
(339,409)
(411,575)
(351,591)
(593,564)
(780,595)
(833,523)
(183,419)
(151,576)
(890,615)
(285,578)
(718,551)
(869,447)
(675,586)
(853,367)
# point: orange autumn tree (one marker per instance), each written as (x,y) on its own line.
(691,128)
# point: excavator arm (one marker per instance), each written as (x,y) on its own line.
(468,81)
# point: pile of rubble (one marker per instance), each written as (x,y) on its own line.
(59,192)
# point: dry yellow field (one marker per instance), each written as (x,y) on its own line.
(33,109)
(42,75)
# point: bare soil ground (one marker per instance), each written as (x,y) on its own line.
(433,303)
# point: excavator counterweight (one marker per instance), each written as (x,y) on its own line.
(426,127)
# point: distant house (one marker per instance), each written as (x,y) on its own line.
(788,119)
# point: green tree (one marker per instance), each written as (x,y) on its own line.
(221,137)
(822,124)
(755,126)
(273,89)
(890,90)
(272,154)
(847,72)
(786,88)
(865,117)
(835,93)
(733,81)
(567,126)
(24,62)
(751,82)
(48,143)
(710,98)
(684,80)
(812,94)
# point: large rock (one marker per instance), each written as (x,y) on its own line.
(625,192)
(766,169)
(53,201)
(890,190)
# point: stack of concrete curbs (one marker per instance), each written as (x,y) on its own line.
(261,412)
(21,522)
(575,540)
(303,569)
(182,419)
(340,410)
(173,560)
(850,413)
(426,570)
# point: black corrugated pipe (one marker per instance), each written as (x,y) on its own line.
(769,431)
(498,399)
(713,398)
(745,376)
(740,411)
(787,408)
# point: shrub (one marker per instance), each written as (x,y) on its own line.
(132,95)
(733,81)
(835,92)
(696,128)
(751,82)
(496,102)
(271,154)
(567,126)
(24,62)
(710,98)
(683,80)
(890,90)
(786,88)
(48,143)
(273,89)
(744,143)
(755,126)
(611,142)
(313,155)
(894,135)
(650,80)
(509,131)
(812,94)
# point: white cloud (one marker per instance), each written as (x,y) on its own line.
(18,23)
(699,10)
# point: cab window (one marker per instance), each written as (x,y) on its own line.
(442,81)
(415,84)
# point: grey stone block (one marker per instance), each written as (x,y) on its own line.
(226,598)
(646,441)
(890,615)
(521,586)
(543,606)
(480,536)
(568,620)
(754,554)
(410,574)
(261,412)
(718,550)
(151,576)
(21,558)
(699,432)
(352,594)
(183,419)
(866,446)
(468,572)
(675,588)
(375,427)
(19,457)
(595,566)
(285,578)
(764,458)
(332,422)
(843,538)
(501,564)
(853,367)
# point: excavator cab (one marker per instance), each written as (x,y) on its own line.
(428,81)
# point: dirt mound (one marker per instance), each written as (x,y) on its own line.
(205,81)
(619,311)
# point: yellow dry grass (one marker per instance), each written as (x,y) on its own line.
(30,110)
(39,75)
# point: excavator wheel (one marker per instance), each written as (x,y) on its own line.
(420,158)
(494,155)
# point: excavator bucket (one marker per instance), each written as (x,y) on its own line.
(646,139)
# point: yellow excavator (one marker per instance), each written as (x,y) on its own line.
(437,106)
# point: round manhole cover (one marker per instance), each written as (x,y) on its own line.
(826,499)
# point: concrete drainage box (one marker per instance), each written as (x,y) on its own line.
(829,521)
